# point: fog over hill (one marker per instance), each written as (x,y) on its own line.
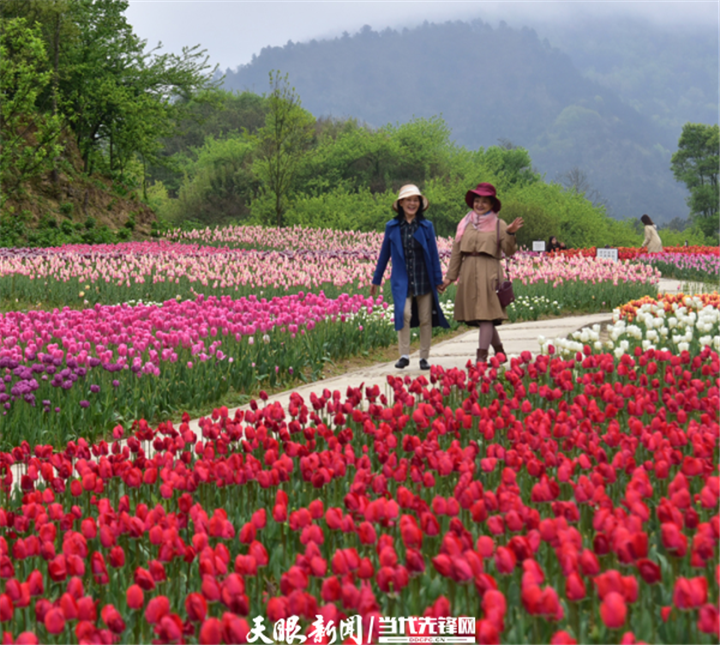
(611,106)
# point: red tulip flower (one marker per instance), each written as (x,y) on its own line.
(57,568)
(234,629)
(135,597)
(574,587)
(690,593)
(210,588)
(35,583)
(494,607)
(247,533)
(487,633)
(709,620)
(366,533)
(42,607)
(6,608)
(87,609)
(211,632)
(258,551)
(613,610)
(169,628)
(673,539)
(157,608)
(504,560)
(68,606)
(259,519)
(112,618)
(117,557)
(75,588)
(26,638)
(196,607)
(144,579)
(649,571)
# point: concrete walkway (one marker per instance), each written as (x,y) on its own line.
(454,352)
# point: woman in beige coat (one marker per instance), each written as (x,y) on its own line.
(475,259)
(652,239)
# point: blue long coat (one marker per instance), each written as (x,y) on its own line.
(392,247)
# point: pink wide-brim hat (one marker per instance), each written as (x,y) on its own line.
(483,190)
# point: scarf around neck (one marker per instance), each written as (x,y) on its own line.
(484,223)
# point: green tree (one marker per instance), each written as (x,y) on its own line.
(29,140)
(218,183)
(118,97)
(220,115)
(697,165)
(121,97)
(281,145)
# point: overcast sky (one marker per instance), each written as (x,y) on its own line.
(233,30)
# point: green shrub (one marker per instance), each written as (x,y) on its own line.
(361,211)
(47,221)
(538,224)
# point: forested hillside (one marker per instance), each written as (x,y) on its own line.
(496,84)
(83,107)
(667,74)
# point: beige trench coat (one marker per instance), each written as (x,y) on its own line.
(476,299)
(652,240)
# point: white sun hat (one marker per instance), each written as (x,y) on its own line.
(410,190)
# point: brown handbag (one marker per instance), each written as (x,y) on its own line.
(503,289)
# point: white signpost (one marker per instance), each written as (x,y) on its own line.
(539,245)
(607,254)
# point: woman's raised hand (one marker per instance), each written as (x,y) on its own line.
(516,225)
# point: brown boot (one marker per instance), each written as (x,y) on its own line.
(482,356)
(499,349)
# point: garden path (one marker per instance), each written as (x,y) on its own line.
(455,352)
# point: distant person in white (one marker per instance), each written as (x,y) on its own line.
(652,239)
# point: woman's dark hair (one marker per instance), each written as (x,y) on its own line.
(645,219)
(401,213)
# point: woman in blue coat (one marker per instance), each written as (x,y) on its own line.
(416,274)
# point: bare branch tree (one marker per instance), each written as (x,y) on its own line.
(576,179)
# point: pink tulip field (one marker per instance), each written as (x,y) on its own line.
(704,267)
(568,497)
(282,261)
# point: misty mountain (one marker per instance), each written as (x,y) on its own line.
(491,84)
(668,75)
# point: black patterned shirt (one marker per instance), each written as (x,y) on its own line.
(418,280)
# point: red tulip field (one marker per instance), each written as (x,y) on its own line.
(556,501)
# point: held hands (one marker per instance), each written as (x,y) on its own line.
(516,225)
(441,287)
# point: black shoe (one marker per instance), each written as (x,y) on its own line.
(402,363)
(424,365)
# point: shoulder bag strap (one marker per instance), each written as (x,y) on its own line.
(499,252)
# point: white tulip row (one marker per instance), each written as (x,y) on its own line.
(688,326)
